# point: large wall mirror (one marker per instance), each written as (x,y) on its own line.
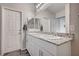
(50,16)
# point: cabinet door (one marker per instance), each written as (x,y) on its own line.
(32,47)
(29,44)
(35,50)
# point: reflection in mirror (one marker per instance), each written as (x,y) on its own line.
(45,23)
(60,24)
(37,23)
(50,16)
(31,23)
(34,24)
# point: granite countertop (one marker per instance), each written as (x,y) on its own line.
(50,38)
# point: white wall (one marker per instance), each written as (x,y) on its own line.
(74,27)
(27,11)
(67,16)
(60,13)
(52,23)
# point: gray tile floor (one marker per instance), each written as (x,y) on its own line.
(18,53)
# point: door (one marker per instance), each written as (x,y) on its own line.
(62,25)
(12,30)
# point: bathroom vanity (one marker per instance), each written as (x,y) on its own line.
(39,44)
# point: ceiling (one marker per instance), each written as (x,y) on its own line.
(55,7)
(15,4)
(52,7)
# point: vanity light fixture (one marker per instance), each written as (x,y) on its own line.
(39,5)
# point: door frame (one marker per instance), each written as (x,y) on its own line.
(2,29)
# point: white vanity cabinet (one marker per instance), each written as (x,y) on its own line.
(39,47)
(31,46)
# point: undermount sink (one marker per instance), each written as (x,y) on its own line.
(47,36)
(54,37)
(51,38)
